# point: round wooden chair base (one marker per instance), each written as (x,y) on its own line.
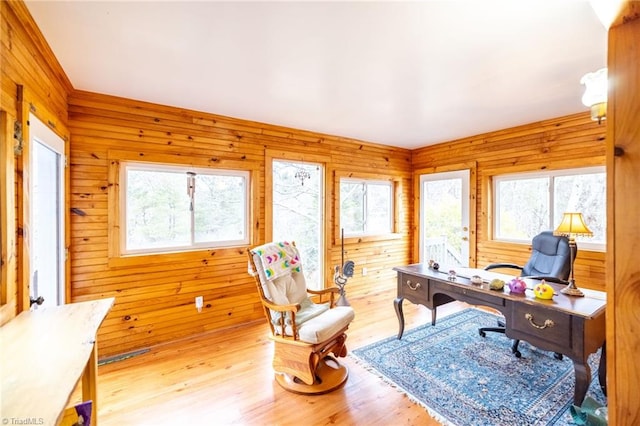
(330,375)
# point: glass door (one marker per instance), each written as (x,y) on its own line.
(298,213)
(444,218)
(46,237)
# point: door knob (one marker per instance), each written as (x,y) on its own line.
(38,301)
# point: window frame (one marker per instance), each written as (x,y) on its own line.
(551,175)
(127,165)
(115,156)
(396,194)
(367,182)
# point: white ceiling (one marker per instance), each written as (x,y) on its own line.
(405,74)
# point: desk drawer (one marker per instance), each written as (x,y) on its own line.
(542,324)
(471,295)
(414,288)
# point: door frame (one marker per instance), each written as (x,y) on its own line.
(271,155)
(40,133)
(417,191)
(8,230)
(27,103)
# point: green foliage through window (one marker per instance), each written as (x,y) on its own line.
(298,213)
(167,208)
(366,207)
(529,203)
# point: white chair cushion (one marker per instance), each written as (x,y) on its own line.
(322,327)
(308,310)
(287,289)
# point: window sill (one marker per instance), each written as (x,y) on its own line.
(197,255)
(370,238)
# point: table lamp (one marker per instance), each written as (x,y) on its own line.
(572,225)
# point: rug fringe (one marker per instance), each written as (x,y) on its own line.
(433,413)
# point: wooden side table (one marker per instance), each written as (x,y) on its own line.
(44,354)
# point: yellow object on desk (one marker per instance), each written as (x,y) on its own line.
(543,291)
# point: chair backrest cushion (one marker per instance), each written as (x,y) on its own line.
(550,256)
(287,289)
(283,283)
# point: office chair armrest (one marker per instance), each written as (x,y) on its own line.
(502,265)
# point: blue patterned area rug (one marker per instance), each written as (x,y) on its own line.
(463,379)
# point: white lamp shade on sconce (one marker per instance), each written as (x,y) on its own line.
(595,94)
(596,87)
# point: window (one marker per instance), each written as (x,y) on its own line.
(528,203)
(297,205)
(170,208)
(366,207)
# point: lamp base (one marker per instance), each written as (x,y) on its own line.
(572,290)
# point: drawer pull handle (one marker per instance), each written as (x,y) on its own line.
(547,323)
(413,287)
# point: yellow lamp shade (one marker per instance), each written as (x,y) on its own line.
(572,224)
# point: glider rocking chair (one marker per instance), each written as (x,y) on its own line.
(550,261)
(307,336)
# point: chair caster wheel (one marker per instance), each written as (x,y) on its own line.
(557,356)
(482,333)
(517,354)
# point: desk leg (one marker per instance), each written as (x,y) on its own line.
(583,379)
(89,384)
(397,304)
(602,369)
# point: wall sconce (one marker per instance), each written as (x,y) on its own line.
(595,94)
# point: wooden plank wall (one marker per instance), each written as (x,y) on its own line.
(155,294)
(27,61)
(154,300)
(566,142)
(623,286)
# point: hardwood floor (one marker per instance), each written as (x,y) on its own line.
(225,377)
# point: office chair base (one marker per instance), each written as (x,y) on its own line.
(514,347)
(501,329)
(483,331)
(330,375)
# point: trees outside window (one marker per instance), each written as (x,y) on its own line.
(528,203)
(168,208)
(298,213)
(366,207)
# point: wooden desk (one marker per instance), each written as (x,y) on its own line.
(44,354)
(579,322)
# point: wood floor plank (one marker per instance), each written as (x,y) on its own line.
(225,377)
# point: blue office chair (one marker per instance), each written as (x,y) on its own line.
(550,260)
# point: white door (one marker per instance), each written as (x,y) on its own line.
(46,238)
(444,218)
(298,213)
